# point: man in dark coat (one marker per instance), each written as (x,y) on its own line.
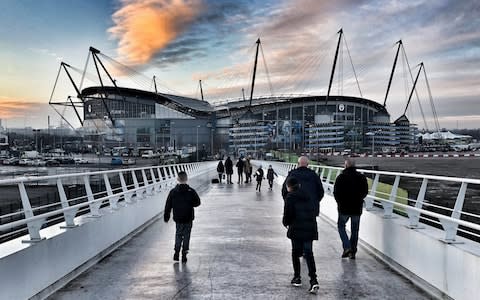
(239,165)
(300,219)
(349,190)
(182,199)
(310,183)
(229,169)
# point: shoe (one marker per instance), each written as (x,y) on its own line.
(184,258)
(296,281)
(175,256)
(351,255)
(346,253)
(313,287)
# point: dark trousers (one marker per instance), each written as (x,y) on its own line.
(229,178)
(300,247)
(270,183)
(182,237)
(354,227)
(220,175)
(240,176)
(259,185)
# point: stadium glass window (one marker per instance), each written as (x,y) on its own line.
(270,115)
(309,113)
(284,114)
(297,113)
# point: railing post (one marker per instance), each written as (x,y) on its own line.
(94,206)
(138,192)
(373,192)
(449,226)
(69,214)
(327,181)
(322,174)
(413,215)
(111,199)
(127,195)
(388,206)
(146,184)
(33,226)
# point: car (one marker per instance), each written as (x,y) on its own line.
(66,160)
(117,161)
(52,163)
(11,161)
(25,162)
(79,160)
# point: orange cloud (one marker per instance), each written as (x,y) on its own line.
(12,108)
(144,27)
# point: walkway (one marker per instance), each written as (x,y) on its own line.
(239,250)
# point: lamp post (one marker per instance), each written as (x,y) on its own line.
(35,131)
(198,126)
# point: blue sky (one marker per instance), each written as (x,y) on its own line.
(182,41)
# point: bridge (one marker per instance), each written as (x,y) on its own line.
(104,238)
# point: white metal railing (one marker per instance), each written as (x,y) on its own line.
(450,220)
(145,181)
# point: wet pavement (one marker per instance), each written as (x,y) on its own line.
(238,250)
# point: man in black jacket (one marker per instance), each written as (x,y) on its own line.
(300,219)
(182,199)
(350,189)
(310,183)
(229,169)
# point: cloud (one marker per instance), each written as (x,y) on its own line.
(145,27)
(14,108)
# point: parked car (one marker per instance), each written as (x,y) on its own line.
(79,160)
(117,161)
(66,160)
(11,161)
(52,162)
(25,162)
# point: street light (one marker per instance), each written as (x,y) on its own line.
(198,126)
(372,133)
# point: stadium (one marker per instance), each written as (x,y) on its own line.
(137,119)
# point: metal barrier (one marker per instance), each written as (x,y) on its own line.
(142,181)
(418,209)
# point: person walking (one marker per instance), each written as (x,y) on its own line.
(349,190)
(270,174)
(259,175)
(310,183)
(229,169)
(182,199)
(239,166)
(300,219)
(247,169)
(220,171)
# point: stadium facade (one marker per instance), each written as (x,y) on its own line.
(140,119)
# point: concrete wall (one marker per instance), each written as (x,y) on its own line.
(37,270)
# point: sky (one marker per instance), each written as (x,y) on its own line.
(184,41)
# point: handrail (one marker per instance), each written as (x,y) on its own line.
(415,212)
(141,186)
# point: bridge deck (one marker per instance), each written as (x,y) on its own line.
(238,250)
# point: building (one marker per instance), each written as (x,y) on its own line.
(140,119)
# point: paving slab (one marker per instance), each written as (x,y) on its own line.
(238,250)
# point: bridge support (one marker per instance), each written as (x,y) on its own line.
(449,226)
(34,225)
(69,214)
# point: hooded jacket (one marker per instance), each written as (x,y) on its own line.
(310,183)
(300,217)
(349,190)
(182,199)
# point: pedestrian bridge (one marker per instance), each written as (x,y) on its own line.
(108,241)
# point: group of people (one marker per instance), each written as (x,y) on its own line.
(302,192)
(244,166)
